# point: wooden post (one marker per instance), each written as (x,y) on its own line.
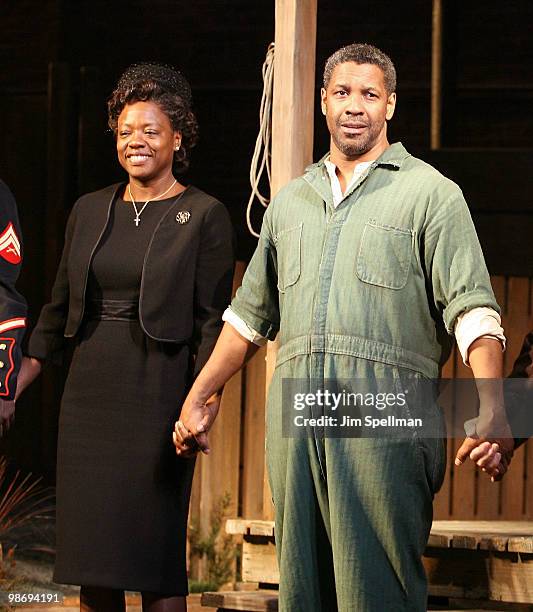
(292,114)
(436,76)
(294,89)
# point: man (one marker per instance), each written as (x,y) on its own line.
(12,305)
(365,266)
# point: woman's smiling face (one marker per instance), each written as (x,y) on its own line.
(146,141)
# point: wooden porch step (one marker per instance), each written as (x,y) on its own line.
(502,536)
(510,536)
(267,601)
(247,601)
(482,561)
(72,604)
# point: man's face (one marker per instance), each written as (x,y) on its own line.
(357,107)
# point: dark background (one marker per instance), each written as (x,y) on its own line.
(60,60)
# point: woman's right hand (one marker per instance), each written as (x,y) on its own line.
(29,370)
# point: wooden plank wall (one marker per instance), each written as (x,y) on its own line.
(467,493)
(236,464)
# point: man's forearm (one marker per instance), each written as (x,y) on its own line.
(491,444)
(486,360)
(230,354)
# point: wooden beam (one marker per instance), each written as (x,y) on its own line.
(292,115)
(444,74)
(436,76)
(294,89)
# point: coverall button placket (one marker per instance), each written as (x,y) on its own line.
(334,228)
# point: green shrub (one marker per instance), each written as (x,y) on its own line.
(217,547)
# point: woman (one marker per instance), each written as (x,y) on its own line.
(144,277)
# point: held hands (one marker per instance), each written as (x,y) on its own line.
(492,457)
(490,447)
(489,441)
(7,415)
(195,421)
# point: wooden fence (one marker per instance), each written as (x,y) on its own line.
(236,464)
(467,493)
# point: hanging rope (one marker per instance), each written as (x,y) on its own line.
(261,158)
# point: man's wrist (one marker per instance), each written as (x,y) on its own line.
(202,391)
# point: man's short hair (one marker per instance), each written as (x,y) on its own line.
(361,53)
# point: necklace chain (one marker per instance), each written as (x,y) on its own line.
(138,213)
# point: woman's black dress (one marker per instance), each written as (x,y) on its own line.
(122,493)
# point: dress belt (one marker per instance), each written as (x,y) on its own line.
(112,310)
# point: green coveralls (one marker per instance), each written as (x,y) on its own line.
(370,290)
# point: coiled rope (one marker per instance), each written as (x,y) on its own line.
(261,159)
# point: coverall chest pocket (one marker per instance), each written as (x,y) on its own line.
(289,252)
(384,256)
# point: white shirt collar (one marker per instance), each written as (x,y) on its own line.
(331,168)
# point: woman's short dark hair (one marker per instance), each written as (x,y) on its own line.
(169,89)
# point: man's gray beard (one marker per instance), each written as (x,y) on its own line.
(354,148)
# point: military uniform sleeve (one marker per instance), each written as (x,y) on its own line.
(12,304)
(213,282)
(257,299)
(454,261)
(47,340)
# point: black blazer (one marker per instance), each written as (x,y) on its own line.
(186,276)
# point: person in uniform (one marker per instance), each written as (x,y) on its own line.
(12,305)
